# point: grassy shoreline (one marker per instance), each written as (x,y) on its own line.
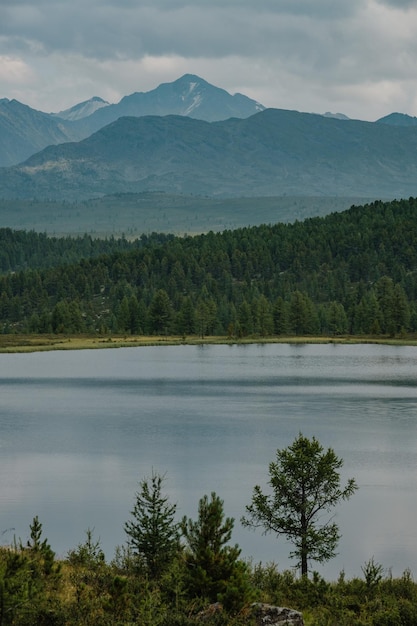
(40,343)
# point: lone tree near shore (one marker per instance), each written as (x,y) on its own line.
(305,481)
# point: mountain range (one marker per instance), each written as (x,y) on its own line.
(272,153)
(190,137)
(25,131)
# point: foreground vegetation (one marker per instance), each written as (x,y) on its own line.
(188,572)
(82,588)
(351,273)
(179,573)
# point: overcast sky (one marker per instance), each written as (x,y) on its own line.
(357,57)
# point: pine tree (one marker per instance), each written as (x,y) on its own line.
(153,532)
(160,312)
(213,569)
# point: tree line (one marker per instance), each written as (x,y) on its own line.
(350,273)
(22,249)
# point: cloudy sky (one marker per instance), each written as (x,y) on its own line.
(358,57)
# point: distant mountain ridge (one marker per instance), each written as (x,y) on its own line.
(189,96)
(338,116)
(83,109)
(398,119)
(272,153)
(25,131)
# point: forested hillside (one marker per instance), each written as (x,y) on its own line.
(21,250)
(347,273)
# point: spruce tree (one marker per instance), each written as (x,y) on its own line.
(214,571)
(153,532)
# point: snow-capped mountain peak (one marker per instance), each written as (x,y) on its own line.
(83,109)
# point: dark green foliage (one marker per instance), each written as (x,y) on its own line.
(30,580)
(41,552)
(213,568)
(347,273)
(88,553)
(84,589)
(305,483)
(153,532)
(160,313)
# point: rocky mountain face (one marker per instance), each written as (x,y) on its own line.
(25,131)
(272,153)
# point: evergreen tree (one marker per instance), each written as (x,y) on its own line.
(337,320)
(264,317)
(123,315)
(153,533)
(245,319)
(160,312)
(41,551)
(186,321)
(299,314)
(61,317)
(214,571)
(135,315)
(401,310)
(280,316)
(386,300)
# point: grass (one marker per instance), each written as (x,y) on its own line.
(39,343)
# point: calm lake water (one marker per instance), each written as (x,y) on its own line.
(78,430)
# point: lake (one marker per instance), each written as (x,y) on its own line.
(78,430)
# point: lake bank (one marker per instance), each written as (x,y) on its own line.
(40,343)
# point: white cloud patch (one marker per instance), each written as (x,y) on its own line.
(14,71)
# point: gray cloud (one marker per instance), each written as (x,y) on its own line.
(172,26)
(105,29)
(399,4)
(356,55)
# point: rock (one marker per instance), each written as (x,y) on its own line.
(267,614)
(263,614)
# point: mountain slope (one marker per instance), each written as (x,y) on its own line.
(24,131)
(275,152)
